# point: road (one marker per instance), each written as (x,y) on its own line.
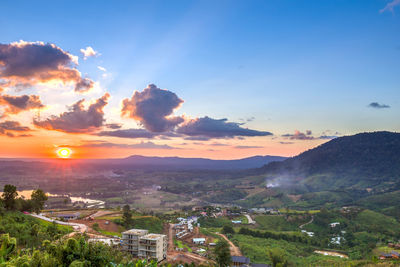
(312,219)
(171,237)
(235,251)
(78,227)
(251,221)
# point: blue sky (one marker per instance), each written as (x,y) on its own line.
(292,65)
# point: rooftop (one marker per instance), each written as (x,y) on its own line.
(241,259)
(153,236)
(136,232)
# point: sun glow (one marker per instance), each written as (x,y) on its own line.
(64,152)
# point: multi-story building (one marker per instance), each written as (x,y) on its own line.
(143,245)
(130,240)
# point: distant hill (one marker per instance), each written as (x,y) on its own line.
(365,160)
(193,163)
(156,163)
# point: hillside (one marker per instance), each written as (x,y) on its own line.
(365,160)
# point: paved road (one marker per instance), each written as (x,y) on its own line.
(251,221)
(78,227)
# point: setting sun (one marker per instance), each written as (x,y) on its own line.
(64,152)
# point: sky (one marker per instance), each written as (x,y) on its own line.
(215,79)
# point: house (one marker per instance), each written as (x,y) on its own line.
(199,241)
(69,216)
(391,255)
(384,256)
(240,260)
(395,254)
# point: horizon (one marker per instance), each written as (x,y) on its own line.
(226,80)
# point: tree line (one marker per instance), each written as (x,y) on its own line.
(11,202)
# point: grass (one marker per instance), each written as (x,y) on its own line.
(297,254)
(104,232)
(179,244)
(275,223)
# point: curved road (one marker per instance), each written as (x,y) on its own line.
(312,219)
(78,227)
(235,251)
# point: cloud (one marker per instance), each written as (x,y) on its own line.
(248,147)
(286,143)
(17,104)
(307,136)
(153,108)
(207,127)
(77,119)
(89,52)
(377,105)
(141,145)
(113,125)
(128,133)
(102,68)
(25,64)
(9,127)
(390,6)
(300,136)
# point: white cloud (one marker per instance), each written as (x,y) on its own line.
(89,52)
(390,6)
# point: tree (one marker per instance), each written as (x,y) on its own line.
(38,198)
(127,216)
(223,255)
(227,229)
(9,195)
(277,257)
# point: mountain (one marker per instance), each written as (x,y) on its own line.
(361,161)
(154,163)
(192,163)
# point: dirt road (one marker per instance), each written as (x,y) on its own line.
(312,219)
(235,251)
(171,237)
(251,221)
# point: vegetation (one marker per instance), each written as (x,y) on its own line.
(222,254)
(28,231)
(70,252)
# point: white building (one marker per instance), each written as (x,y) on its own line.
(141,244)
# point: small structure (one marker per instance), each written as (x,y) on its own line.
(240,260)
(69,216)
(199,241)
(391,255)
(334,224)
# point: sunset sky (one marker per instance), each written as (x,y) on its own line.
(215,79)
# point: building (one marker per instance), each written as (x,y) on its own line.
(199,241)
(141,244)
(153,246)
(69,216)
(240,260)
(391,255)
(130,240)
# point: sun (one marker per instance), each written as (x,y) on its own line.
(64,152)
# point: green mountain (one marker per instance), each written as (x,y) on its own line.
(365,161)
